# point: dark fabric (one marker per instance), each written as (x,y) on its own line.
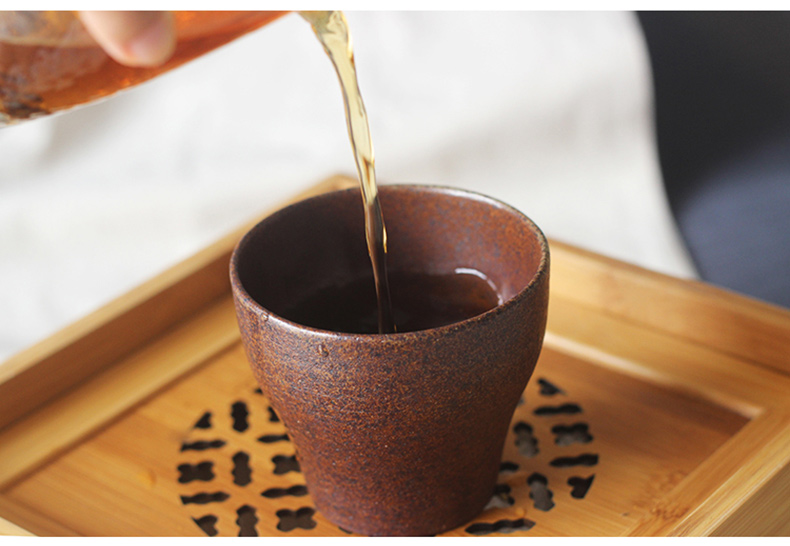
(722,98)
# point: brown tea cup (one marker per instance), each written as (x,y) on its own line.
(396,434)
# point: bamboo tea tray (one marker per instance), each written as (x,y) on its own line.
(658,407)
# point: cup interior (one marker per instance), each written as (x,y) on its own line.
(319,243)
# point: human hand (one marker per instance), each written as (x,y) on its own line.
(133,38)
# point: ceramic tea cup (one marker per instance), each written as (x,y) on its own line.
(396,434)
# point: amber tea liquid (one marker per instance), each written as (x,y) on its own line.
(332,31)
(419,302)
(412,301)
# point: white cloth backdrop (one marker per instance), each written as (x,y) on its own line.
(550,112)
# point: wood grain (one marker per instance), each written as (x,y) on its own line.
(25,520)
(637,463)
(734,324)
(55,427)
(766,513)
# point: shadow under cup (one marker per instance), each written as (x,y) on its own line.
(396,434)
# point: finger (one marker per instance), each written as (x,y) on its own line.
(134,38)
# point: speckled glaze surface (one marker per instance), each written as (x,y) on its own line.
(397,434)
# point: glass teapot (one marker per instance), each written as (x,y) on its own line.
(49,62)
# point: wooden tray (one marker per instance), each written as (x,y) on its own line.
(658,407)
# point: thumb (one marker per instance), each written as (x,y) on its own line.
(134,38)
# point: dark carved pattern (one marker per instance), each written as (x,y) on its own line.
(229,462)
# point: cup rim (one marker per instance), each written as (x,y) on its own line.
(543,267)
